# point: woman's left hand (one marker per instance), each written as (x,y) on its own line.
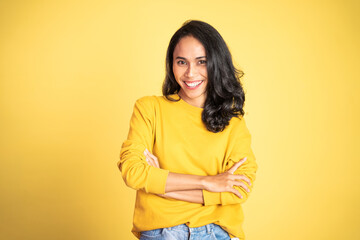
(151,159)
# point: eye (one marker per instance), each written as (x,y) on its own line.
(202,62)
(181,62)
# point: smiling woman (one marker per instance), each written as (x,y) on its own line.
(190,70)
(188,153)
(224,97)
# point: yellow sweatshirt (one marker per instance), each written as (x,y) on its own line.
(176,135)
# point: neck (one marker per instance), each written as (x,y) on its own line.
(196,102)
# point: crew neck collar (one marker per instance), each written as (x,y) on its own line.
(185,104)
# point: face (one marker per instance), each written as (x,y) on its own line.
(189,68)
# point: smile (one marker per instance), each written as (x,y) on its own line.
(192,85)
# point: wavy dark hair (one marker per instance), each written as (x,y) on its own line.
(224,94)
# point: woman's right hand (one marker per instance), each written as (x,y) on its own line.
(151,159)
(225,182)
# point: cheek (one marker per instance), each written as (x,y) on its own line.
(177,73)
(204,72)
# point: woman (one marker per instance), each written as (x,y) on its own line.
(188,152)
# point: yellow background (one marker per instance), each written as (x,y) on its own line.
(70,72)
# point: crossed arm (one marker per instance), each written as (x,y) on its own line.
(190,188)
(229,187)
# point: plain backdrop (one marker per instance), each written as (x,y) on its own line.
(70,72)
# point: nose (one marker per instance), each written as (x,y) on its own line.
(190,71)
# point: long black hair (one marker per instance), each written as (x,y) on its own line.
(224,94)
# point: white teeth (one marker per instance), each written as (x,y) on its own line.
(193,84)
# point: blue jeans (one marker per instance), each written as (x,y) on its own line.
(183,232)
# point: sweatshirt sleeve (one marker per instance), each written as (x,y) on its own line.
(240,149)
(136,172)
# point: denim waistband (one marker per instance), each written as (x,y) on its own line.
(186,228)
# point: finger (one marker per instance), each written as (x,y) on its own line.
(237,165)
(242,185)
(147,158)
(148,161)
(150,155)
(151,162)
(242,177)
(145,152)
(236,192)
(152,158)
(156,162)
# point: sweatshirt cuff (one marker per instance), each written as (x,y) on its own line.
(156,180)
(211,198)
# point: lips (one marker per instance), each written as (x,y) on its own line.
(193,84)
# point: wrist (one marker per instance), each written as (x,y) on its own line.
(204,182)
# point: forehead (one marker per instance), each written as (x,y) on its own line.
(189,47)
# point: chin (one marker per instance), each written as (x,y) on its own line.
(193,95)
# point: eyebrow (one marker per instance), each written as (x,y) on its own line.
(185,58)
